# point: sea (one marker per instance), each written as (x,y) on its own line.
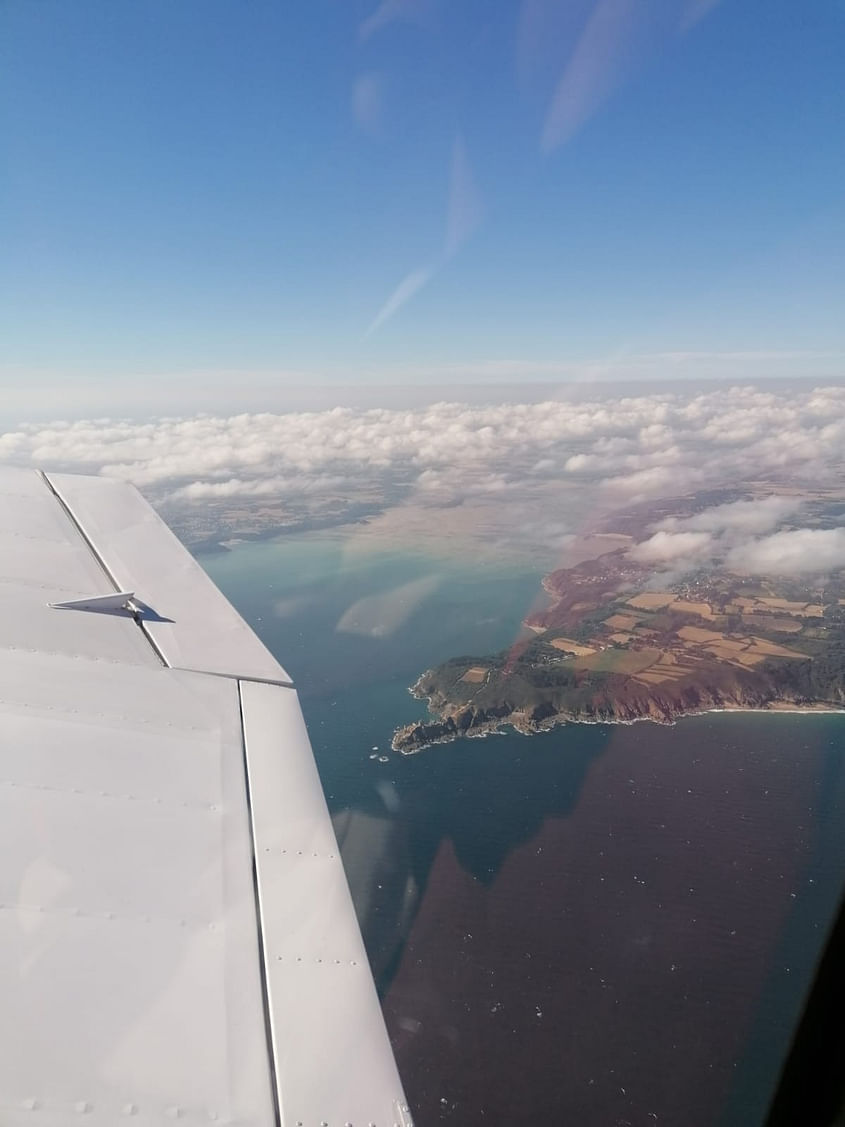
(602,925)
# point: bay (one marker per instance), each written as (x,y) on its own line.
(604,924)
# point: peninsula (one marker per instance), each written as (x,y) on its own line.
(611,648)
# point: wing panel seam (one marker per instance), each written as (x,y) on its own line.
(259,927)
(239,677)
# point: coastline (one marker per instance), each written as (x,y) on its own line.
(520,725)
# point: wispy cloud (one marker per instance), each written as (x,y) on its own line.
(368,103)
(411,284)
(392,11)
(596,66)
(618,37)
(696,11)
(464,211)
(465,208)
(380,616)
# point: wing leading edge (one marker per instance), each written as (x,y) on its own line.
(177,938)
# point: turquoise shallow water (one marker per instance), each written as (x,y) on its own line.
(600,925)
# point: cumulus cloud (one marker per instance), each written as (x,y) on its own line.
(752,517)
(669,547)
(794,552)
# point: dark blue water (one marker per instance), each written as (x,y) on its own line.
(600,925)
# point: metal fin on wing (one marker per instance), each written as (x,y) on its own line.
(103,604)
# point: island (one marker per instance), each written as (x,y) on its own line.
(612,648)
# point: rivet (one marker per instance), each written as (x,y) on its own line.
(129,1109)
(299,958)
(319,960)
(30,1104)
(352,963)
(82,1107)
(174,1112)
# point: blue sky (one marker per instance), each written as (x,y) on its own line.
(419,190)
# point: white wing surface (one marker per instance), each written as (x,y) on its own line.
(177,938)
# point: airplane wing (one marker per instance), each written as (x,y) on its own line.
(177,938)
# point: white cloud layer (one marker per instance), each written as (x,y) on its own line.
(642,444)
(604,452)
(795,552)
(753,517)
(667,547)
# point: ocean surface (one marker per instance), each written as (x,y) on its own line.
(604,925)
